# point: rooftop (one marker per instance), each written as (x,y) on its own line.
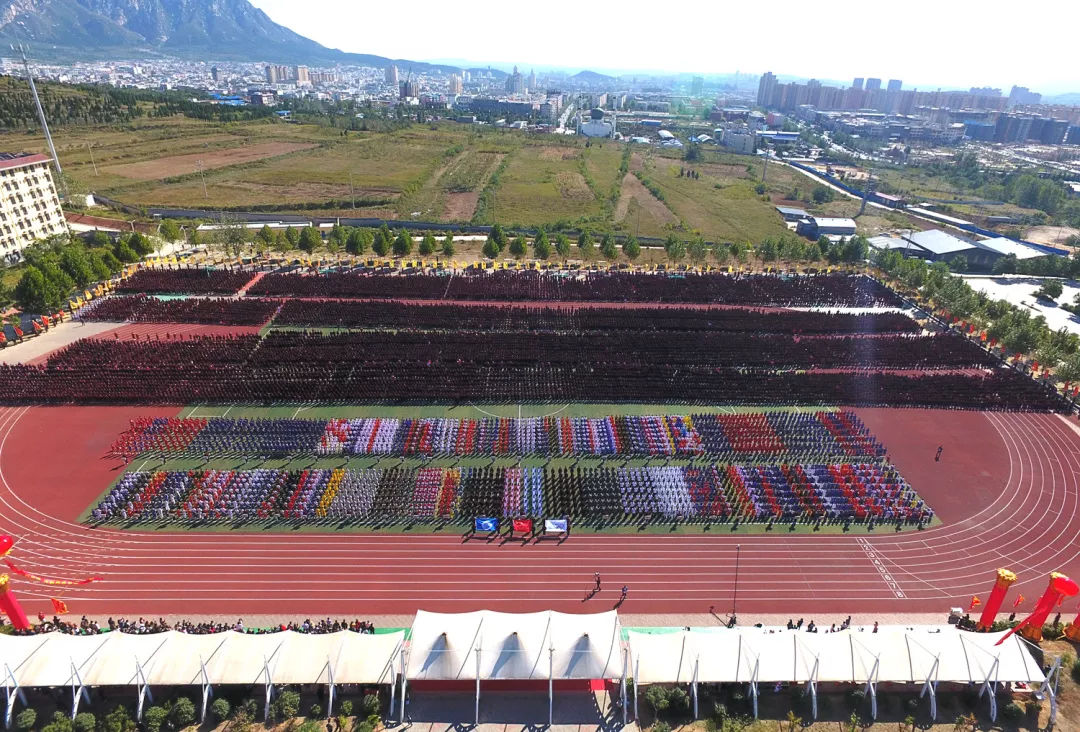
(20,160)
(789,211)
(823,221)
(938,242)
(1005,247)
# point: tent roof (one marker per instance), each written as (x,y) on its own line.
(514,645)
(172,658)
(901,654)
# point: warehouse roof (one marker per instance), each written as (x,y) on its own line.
(938,242)
(1006,247)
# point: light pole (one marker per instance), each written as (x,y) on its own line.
(735,589)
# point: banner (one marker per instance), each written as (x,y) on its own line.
(523,526)
(1031,626)
(1002,582)
(556,526)
(486,525)
(9,605)
(46,581)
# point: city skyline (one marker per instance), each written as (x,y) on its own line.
(819,46)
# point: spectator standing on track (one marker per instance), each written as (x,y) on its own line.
(937,457)
(625,591)
(597,587)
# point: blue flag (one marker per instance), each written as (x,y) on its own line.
(486,525)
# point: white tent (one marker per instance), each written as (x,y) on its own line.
(179,659)
(925,655)
(486,645)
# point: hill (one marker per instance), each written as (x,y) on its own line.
(202,29)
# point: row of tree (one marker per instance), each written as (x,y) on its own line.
(1015,329)
(56,268)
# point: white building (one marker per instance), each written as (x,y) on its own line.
(29,207)
(739,140)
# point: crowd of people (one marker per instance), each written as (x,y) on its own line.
(778,433)
(150,626)
(782,491)
(204,310)
(371,314)
(185,281)
(519,286)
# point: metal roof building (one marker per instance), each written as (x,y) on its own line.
(1006,247)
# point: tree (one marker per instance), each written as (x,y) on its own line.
(499,236)
(383,242)
(448,245)
(154,717)
(358,241)
(84,722)
(118,720)
(697,250)
(1050,290)
(793,721)
(631,248)
(427,244)
(182,713)
(822,194)
(59,723)
(309,239)
(608,248)
(541,246)
(585,242)
(402,244)
(194,238)
(518,246)
(675,248)
(170,230)
(99,239)
(338,236)
(33,293)
(26,719)
(76,264)
(286,706)
(125,253)
(760,189)
(140,244)
(292,234)
(958,263)
(266,235)
(491,249)
(562,245)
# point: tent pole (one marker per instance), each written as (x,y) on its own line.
(697,662)
(404,683)
(1048,688)
(477,651)
(551,684)
(753,685)
(930,687)
(637,682)
(269,688)
(871,688)
(393,688)
(77,691)
(12,692)
(330,696)
(206,691)
(625,661)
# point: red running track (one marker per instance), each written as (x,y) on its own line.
(1006,487)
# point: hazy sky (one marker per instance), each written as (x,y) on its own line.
(926,43)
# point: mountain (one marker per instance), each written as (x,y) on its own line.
(219,30)
(591,77)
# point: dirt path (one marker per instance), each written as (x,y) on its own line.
(633,190)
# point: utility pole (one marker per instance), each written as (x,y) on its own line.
(765,167)
(202,174)
(90,149)
(22,49)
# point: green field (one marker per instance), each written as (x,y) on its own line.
(430,172)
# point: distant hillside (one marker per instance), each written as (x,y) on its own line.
(201,29)
(591,77)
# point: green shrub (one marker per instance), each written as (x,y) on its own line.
(678,700)
(367,725)
(249,708)
(286,706)
(84,722)
(154,718)
(310,725)
(1012,712)
(315,711)
(1032,708)
(1076,671)
(119,720)
(26,719)
(856,697)
(59,723)
(657,698)
(219,709)
(370,705)
(346,707)
(661,727)
(182,713)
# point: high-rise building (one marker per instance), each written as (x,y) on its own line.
(697,86)
(29,207)
(515,83)
(857,84)
(532,80)
(873,85)
(300,73)
(894,85)
(215,74)
(766,89)
(456,86)
(1023,95)
(391,75)
(408,89)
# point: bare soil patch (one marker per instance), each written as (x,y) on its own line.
(572,185)
(460,206)
(637,162)
(1051,235)
(632,190)
(175,165)
(557,153)
(722,170)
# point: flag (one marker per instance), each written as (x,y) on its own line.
(486,525)
(975,602)
(59,606)
(1018,601)
(523,526)
(556,526)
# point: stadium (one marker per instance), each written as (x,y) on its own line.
(534,471)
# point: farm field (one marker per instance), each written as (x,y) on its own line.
(441,172)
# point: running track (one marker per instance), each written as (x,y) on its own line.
(1020,511)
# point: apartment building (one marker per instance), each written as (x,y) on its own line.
(29,207)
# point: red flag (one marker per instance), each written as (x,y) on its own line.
(975,602)
(37,326)
(59,606)
(18,331)
(44,580)
(523,526)
(1018,601)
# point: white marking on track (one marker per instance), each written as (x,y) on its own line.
(872,555)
